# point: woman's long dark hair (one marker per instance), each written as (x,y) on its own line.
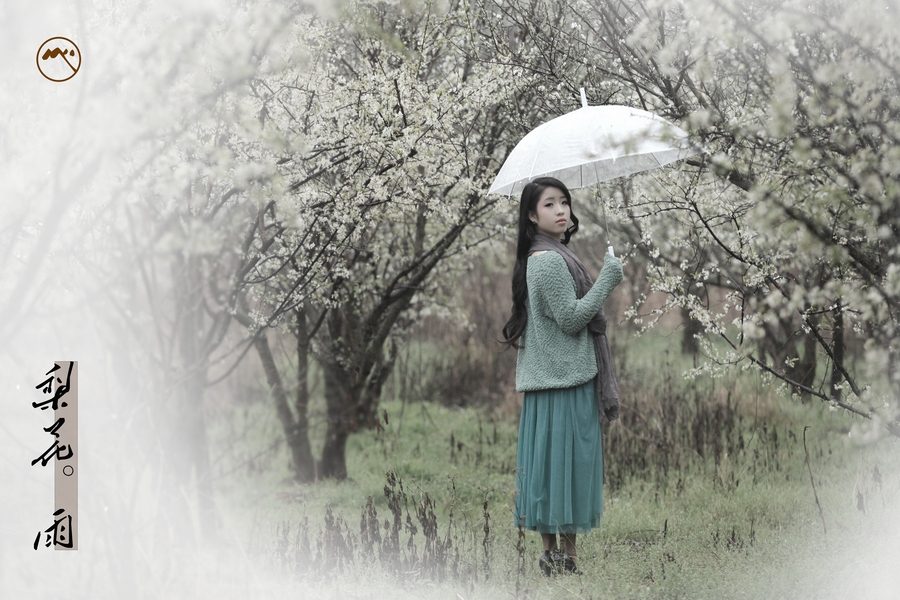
(513,329)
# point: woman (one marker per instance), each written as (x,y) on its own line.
(565,369)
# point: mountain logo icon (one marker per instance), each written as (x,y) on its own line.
(58,59)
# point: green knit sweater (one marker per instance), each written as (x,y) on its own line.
(555,350)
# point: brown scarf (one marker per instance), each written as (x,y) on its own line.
(605,383)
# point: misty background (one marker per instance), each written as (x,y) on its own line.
(234,201)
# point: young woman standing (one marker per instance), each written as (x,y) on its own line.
(565,369)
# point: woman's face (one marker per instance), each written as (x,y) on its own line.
(553,213)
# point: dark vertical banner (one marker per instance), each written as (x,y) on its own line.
(66,471)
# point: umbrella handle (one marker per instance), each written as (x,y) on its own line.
(610,250)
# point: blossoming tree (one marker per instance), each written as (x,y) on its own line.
(401,129)
(794,210)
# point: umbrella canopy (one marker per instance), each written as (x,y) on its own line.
(593,144)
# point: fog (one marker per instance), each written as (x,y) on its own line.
(64,150)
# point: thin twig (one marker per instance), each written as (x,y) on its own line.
(815,495)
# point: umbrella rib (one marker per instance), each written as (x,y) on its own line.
(658,163)
(602,205)
(542,130)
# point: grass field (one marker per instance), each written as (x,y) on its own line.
(710,496)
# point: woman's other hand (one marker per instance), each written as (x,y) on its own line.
(612,271)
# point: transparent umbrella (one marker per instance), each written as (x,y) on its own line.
(593,144)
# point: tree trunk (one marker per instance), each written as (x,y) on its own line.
(805,372)
(176,421)
(296,429)
(350,407)
(837,349)
(692,328)
(334,452)
(352,389)
(198,453)
(296,433)
(340,420)
(779,344)
(189,454)
(304,464)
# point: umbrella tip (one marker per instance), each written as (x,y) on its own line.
(583,99)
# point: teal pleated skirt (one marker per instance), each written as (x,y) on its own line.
(559,465)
